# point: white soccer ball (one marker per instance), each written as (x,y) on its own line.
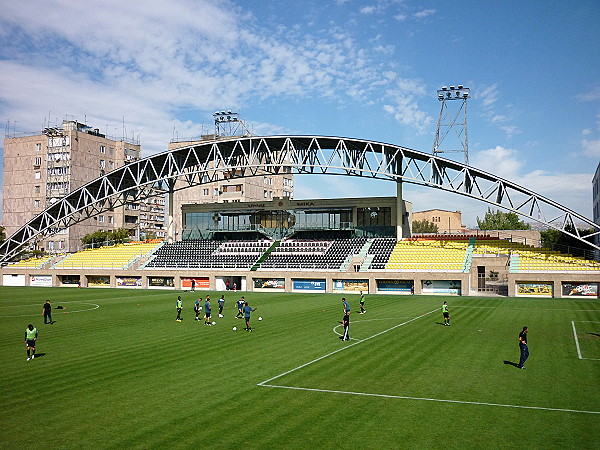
(214,323)
(260,318)
(234,328)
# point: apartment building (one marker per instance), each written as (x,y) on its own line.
(447,221)
(41,168)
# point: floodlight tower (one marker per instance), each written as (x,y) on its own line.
(228,124)
(455,120)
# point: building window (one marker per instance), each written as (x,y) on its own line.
(103,164)
(265,194)
(38,175)
(38,160)
(216,192)
(111,165)
(436,219)
(204,191)
(36,203)
(111,219)
(102,149)
(101,219)
(38,147)
(37,189)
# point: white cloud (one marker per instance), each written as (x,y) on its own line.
(498,118)
(503,162)
(511,130)
(404,107)
(368,9)
(586,131)
(592,95)
(400,17)
(591,148)
(488,95)
(424,13)
(199,56)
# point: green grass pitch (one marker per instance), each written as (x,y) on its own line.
(117,371)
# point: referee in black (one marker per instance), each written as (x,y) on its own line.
(523,347)
(346,323)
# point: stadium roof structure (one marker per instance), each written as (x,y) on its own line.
(240,157)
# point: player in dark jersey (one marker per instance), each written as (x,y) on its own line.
(221,302)
(240,307)
(197,309)
(47,311)
(346,323)
(523,347)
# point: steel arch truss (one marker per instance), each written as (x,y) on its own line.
(248,156)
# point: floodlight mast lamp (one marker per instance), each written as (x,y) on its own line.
(456,123)
(229,124)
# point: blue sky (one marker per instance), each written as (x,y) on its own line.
(354,68)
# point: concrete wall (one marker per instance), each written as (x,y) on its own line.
(468,280)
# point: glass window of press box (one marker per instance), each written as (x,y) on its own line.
(198,223)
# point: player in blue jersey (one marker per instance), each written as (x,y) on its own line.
(247,311)
(346,306)
(207,311)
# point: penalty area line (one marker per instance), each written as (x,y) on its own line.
(263,383)
(440,400)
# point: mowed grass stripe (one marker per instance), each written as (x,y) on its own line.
(130,376)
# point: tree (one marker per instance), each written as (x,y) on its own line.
(424,226)
(100,236)
(498,220)
(557,240)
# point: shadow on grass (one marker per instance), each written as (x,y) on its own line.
(595,334)
(39,355)
(510,363)
(440,323)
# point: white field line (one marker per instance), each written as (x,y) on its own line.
(331,391)
(576,340)
(365,320)
(57,311)
(366,394)
(543,309)
(263,383)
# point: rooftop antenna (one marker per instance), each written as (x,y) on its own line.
(455,120)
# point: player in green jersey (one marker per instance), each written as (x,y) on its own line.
(31,335)
(446,314)
(179,307)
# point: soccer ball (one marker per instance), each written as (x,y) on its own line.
(214,323)
(234,328)
(260,318)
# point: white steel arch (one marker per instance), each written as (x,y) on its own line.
(243,157)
